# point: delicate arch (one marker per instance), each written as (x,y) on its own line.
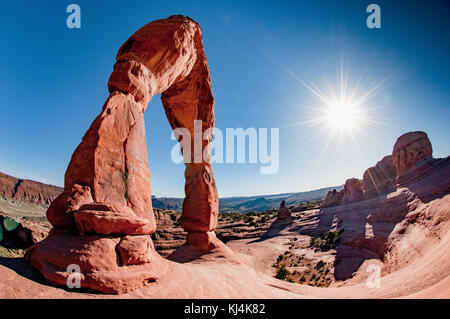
(108,172)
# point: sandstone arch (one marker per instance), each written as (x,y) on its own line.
(106,204)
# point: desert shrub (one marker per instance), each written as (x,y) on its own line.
(282,272)
(320,264)
(326,242)
(248,219)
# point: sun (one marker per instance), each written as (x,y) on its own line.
(342,116)
(341,107)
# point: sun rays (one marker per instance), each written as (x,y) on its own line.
(343,109)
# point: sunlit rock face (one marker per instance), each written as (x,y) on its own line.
(396,213)
(411,158)
(412,154)
(104,217)
(379,179)
(352,190)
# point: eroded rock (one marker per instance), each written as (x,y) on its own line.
(106,204)
(283,212)
(380,179)
(352,191)
(410,149)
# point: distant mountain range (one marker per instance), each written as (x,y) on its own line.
(42,194)
(245,204)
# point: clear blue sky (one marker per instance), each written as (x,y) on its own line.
(53,82)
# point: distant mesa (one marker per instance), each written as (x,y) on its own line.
(27,191)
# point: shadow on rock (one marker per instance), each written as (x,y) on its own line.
(23,268)
(187,253)
(275,228)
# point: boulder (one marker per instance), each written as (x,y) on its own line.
(135,250)
(203,240)
(60,212)
(283,212)
(21,233)
(110,223)
(60,257)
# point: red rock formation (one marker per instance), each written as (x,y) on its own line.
(379,179)
(283,212)
(333,198)
(412,155)
(7,185)
(352,191)
(107,184)
(411,158)
(27,191)
(400,227)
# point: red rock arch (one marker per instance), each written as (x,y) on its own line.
(108,172)
(103,219)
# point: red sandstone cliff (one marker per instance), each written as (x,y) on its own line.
(27,191)
(397,213)
(411,159)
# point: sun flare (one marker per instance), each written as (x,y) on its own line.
(343,109)
(342,116)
